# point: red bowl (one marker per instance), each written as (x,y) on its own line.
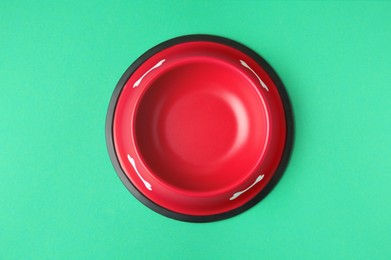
(199,128)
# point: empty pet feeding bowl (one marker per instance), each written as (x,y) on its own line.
(199,128)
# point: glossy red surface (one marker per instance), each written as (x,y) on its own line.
(199,128)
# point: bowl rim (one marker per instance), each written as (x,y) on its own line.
(288,119)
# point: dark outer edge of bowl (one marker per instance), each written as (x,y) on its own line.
(288,117)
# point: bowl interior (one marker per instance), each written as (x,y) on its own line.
(201,126)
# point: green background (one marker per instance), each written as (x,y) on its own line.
(60,196)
